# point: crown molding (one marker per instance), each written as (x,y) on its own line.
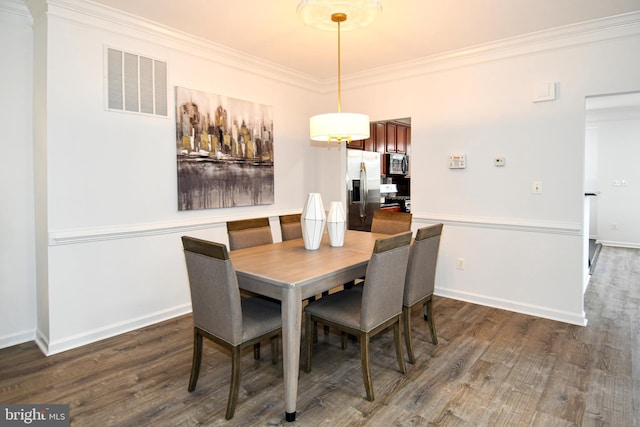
(109,19)
(93,15)
(593,31)
(15,7)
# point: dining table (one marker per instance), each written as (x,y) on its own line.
(288,272)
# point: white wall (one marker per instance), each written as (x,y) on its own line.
(17,265)
(619,182)
(522,251)
(591,184)
(113,258)
(106,181)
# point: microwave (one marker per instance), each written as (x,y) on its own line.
(397,164)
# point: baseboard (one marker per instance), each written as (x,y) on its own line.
(17,338)
(532,310)
(629,245)
(57,346)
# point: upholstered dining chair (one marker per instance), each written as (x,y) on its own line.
(219,313)
(390,222)
(245,233)
(420,281)
(290,227)
(366,313)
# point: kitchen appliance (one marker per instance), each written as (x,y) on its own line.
(397,164)
(363,188)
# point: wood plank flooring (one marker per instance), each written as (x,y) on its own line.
(491,368)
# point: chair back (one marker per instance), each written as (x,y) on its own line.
(389,222)
(291,227)
(421,268)
(215,295)
(382,293)
(249,232)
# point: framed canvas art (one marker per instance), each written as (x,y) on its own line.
(224,149)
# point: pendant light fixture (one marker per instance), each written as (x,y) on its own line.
(338,127)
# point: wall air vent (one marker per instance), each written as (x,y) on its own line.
(135,83)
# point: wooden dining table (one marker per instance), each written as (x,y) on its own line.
(288,272)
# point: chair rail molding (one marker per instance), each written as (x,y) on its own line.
(513,224)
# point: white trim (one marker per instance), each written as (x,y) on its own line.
(15,7)
(630,245)
(514,224)
(57,346)
(597,30)
(532,310)
(96,234)
(17,338)
(112,20)
(84,235)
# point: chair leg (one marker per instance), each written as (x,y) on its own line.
(325,328)
(397,338)
(406,315)
(197,357)
(430,320)
(315,332)
(309,329)
(366,369)
(343,340)
(256,351)
(274,350)
(236,354)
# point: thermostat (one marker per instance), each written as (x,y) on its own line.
(457,161)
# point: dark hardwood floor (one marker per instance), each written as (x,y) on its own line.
(490,368)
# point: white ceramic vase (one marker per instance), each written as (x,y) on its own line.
(336,224)
(313,220)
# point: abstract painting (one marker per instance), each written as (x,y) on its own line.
(224,149)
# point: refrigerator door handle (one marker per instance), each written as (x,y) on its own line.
(363,192)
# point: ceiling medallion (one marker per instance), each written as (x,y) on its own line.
(317,13)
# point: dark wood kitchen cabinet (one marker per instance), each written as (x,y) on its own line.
(357,144)
(398,138)
(403,137)
(385,137)
(390,140)
(380,133)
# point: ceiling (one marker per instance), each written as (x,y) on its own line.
(405,30)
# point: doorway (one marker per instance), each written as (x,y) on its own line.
(612,179)
(387,188)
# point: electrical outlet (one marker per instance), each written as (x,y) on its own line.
(459,263)
(536,187)
(498,161)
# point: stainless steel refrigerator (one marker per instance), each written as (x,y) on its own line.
(363,188)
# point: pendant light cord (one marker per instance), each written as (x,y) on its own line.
(339,85)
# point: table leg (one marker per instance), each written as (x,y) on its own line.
(291,324)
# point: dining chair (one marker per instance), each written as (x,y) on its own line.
(290,227)
(420,281)
(245,233)
(366,313)
(390,222)
(219,313)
